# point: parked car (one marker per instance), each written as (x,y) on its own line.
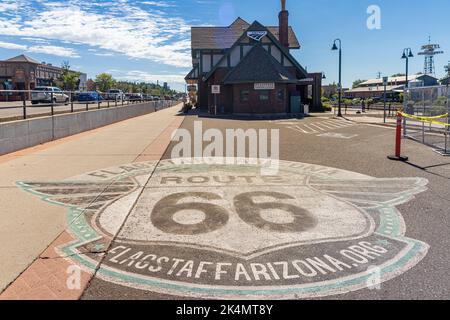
(134,96)
(48,95)
(115,94)
(89,96)
(376,99)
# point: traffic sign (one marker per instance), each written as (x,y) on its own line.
(215,89)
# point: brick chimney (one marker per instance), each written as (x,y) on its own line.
(284,25)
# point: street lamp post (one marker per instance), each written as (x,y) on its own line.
(334,48)
(407,53)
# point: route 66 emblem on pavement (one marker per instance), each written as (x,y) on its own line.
(211,230)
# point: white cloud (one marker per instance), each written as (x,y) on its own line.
(36,40)
(46,49)
(14,46)
(158,4)
(55,50)
(8,5)
(136,75)
(118,26)
(104,54)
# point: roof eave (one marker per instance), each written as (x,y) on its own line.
(261,81)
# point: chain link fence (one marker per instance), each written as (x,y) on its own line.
(432,103)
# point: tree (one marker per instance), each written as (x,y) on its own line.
(357,82)
(104,82)
(399,75)
(69,79)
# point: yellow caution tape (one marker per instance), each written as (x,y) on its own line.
(427,119)
(438,117)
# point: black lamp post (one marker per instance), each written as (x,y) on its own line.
(407,53)
(334,48)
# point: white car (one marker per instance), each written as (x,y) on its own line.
(48,95)
(115,94)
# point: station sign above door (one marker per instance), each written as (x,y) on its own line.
(264,86)
(256,35)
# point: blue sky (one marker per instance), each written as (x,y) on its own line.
(150,40)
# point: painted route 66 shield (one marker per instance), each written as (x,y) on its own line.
(216,230)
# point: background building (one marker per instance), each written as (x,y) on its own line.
(25,73)
(374,88)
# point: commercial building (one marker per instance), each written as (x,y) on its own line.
(25,73)
(374,88)
(249,69)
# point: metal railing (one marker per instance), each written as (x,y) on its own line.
(375,109)
(24,104)
(430,124)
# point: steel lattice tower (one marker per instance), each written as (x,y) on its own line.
(429,51)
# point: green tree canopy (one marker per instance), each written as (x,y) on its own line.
(104,82)
(357,82)
(69,79)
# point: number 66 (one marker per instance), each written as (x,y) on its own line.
(216,217)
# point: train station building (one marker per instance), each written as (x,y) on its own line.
(248,69)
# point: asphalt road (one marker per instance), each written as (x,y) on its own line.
(359,149)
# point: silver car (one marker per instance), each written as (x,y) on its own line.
(48,95)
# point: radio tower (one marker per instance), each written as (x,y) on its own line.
(429,51)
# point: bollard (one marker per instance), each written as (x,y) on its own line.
(71,101)
(24,106)
(445,143)
(52,103)
(398,141)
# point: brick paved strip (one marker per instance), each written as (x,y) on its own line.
(46,278)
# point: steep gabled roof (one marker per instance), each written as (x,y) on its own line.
(293,41)
(23,58)
(268,69)
(225,37)
(239,23)
(257,26)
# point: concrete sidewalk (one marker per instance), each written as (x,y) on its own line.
(29,225)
